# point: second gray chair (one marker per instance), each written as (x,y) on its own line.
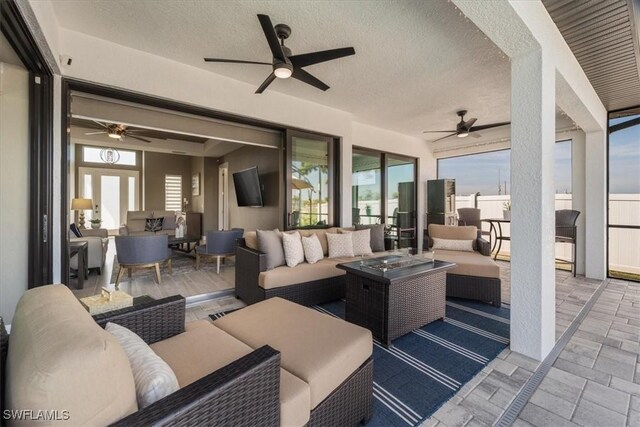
(471,216)
(135,252)
(220,244)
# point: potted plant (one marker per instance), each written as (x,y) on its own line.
(506,212)
(95,222)
(367,209)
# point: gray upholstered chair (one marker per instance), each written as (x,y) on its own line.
(220,244)
(566,232)
(471,216)
(142,252)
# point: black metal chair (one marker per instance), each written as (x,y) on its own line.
(566,232)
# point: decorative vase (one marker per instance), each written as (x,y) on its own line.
(506,215)
(95,225)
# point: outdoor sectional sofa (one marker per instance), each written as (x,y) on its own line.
(306,284)
(264,365)
(476,276)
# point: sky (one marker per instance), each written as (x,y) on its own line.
(624,158)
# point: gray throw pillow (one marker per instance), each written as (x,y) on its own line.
(377,236)
(270,243)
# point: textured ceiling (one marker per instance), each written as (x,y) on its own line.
(416,62)
(603,35)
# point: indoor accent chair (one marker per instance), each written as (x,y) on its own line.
(566,232)
(471,216)
(220,244)
(142,252)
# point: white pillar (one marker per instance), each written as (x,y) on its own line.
(596,205)
(578,194)
(533,200)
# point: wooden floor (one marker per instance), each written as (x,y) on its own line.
(187,284)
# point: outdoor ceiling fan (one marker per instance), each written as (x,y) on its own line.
(466,128)
(118,131)
(285,64)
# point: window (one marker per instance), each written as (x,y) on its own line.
(173,192)
(98,155)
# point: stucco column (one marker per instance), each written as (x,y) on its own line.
(533,201)
(596,205)
(578,194)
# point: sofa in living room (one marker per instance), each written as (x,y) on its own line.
(139,223)
(97,245)
(264,268)
(272,363)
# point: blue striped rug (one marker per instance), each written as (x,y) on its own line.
(425,368)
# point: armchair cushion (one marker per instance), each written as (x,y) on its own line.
(453,244)
(154,379)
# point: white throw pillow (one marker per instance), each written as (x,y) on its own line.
(293,251)
(452,244)
(154,379)
(340,245)
(361,241)
(312,249)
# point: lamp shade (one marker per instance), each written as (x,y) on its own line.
(81,204)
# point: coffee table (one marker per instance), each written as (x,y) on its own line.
(177,242)
(393,295)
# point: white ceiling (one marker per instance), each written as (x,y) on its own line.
(416,62)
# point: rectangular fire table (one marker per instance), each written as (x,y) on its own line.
(393,295)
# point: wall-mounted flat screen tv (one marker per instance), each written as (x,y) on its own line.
(248,187)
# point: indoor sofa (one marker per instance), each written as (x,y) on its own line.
(98,244)
(306,284)
(136,221)
(274,363)
(476,276)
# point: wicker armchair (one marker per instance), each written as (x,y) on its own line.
(566,232)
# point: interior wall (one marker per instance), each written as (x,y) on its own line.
(268,162)
(210,185)
(157,165)
(14,186)
(197,202)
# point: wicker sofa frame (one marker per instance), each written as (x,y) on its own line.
(250,263)
(244,393)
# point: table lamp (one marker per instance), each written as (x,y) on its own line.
(81,205)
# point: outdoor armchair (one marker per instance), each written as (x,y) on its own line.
(142,252)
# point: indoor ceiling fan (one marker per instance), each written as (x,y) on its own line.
(285,64)
(117,131)
(466,128)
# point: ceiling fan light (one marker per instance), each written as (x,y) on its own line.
(462,134)
(114,135)
(283,71)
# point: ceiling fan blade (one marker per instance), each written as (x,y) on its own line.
(266,83)
(272,37)
(624,125)
(138,138)
(492,125)
(322,56)
(95,133)
(438,131)
(469,123)
(101,124)
(444,137)
(234,61)
(303,76)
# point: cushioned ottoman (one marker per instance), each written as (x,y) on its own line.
(321,350)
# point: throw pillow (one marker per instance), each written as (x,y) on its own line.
(154,379)
(75,230)
(340,245)
(169,222)
(312,249)
(293,250)
(452,244)
(153,224)
(270,243)
(361,241)
(377,236)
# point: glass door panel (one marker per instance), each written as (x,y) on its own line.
(401,200)
(110,203)
(366,193)
(309,181)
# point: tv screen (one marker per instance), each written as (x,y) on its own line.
(248,188)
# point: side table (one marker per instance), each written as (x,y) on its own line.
(81,250)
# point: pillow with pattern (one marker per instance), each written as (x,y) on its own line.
(293,250)
(153,224)
(452,244)
(361,241)
(312,248)
(340,245)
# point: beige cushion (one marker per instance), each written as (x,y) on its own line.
(453,232)
(59,358)
(204,348)
(320,349)
(154,379)
(361,241)
(293,250)
(452,244)
(284,276)
(340,245)
(251,240)
(470,263)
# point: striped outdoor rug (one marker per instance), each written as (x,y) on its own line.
(425,368)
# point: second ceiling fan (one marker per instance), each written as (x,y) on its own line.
(285,64)
(466,128)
